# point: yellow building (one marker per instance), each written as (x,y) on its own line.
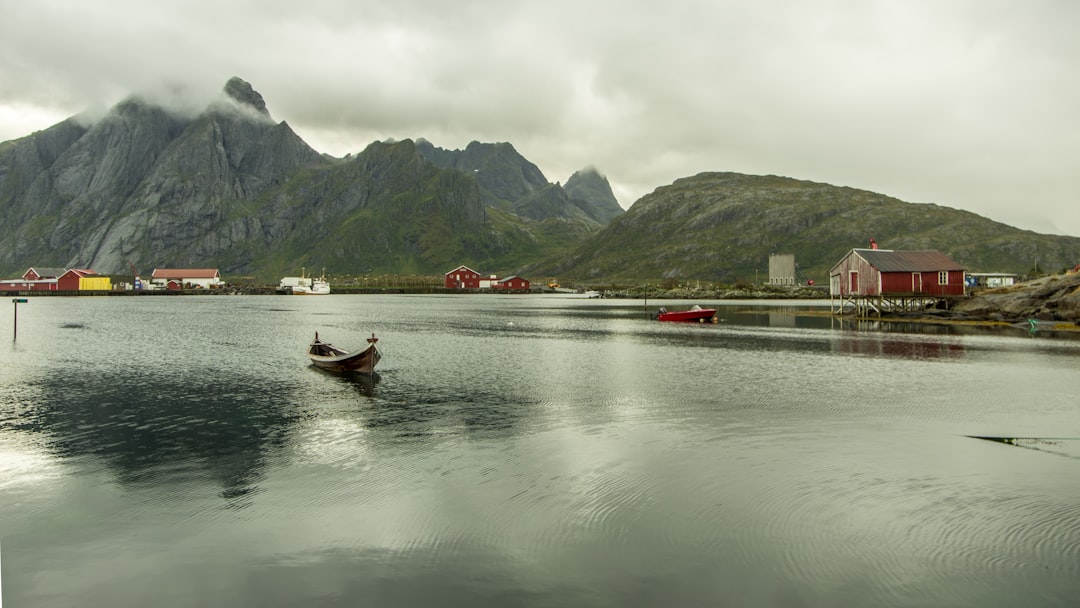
(95,284)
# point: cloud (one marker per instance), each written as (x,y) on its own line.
(967,104)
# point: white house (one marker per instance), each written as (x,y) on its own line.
(186,278)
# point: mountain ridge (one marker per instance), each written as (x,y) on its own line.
(722,226)
(231,187)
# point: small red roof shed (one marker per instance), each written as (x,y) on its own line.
(514,283)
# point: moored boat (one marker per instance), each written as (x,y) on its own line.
(697,313)
(318,287)
(304,285)
(335,359)
(288,283)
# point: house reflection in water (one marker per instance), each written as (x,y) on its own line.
(899,346)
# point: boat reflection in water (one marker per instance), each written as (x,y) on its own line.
(364,383)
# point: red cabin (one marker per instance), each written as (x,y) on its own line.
(462,277)
(41,274)
(41,279)
(70,280)
(514,283)
(15,285)
(884,272)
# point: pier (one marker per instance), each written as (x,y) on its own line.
(863,307)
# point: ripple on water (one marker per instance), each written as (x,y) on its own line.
(1045,527)
(908,530)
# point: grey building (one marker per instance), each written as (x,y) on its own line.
(782,269)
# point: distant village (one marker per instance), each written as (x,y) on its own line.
(862,273)
(76,280)
(81,279)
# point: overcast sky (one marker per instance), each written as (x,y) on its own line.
(967,104)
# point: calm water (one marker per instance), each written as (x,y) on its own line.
(528,451)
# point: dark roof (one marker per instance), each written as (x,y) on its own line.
(47,273)
(886,260)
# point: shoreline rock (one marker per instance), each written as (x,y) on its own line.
(1051,298)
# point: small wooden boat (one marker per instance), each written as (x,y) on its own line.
(330,357)
(697,313)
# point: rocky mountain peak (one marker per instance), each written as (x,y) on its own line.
(594,192)
(240,91)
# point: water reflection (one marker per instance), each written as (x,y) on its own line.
(437,408)
(903,347)
(516,451)
(147,427)
(363,383)
(1068,447)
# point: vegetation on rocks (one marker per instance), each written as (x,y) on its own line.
(1050,298)
(722,227)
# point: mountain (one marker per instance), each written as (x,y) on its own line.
(232,188)
(593,195)
(510,182)
(503,175)
(146,184)
(723,227)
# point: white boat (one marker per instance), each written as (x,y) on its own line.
(304,285)
(317,287)
(286,285)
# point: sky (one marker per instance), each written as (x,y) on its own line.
(970,104)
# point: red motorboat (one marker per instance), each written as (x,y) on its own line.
(697,313)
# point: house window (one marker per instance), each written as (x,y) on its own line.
(943,277)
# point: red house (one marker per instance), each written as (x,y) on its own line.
(34,279)
(514,283)
(462,277)
(72,279)
(884,272)
(54,279)
(15,285)
(40,274)
(43,279)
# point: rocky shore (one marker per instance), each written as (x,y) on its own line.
(1052,299)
